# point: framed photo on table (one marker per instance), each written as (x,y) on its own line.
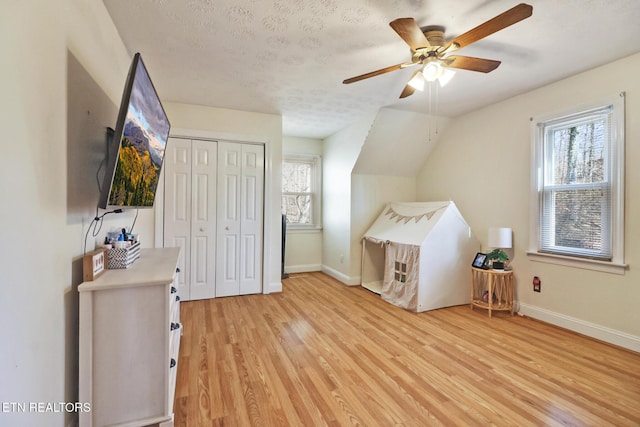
(480,261)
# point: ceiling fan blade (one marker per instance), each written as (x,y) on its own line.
(470,63)
(410,32)
(407,91)
(510,17)
(378,72)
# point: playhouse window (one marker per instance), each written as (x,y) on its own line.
(400,271)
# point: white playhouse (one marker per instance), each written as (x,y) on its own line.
(418,256)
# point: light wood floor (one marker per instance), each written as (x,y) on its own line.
(324,354)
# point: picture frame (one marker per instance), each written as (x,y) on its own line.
(480,261)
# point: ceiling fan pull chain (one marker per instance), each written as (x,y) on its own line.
(430,109)
(435,116)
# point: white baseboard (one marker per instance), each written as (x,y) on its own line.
(592,330)
(347,280)
(306,268)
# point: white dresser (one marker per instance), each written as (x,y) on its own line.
(129,340)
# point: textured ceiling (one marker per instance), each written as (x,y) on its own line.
(290,57)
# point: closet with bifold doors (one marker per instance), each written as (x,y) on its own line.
(213,210)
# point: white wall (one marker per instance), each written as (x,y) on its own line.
(38,307)
(369,194)
(482,163)
(303,247)
(299,145)
(43,242)
(340,153)
(392,148)
(365,194)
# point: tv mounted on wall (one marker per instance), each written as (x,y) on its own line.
(136,153)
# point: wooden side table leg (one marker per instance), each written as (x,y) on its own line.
(473,287)
(490,289)
(511,292)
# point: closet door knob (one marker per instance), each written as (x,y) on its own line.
(226,228)
(201,230)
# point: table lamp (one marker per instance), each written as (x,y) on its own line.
(499,239)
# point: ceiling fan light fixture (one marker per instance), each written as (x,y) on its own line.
(446,75)
(432,71)
(417,81)
(430,51)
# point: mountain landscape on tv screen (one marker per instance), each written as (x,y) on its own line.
(139,162)
(143,143)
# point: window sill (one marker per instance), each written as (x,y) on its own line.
(302,230)
(584,263)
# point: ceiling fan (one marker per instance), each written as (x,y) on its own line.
(431,52)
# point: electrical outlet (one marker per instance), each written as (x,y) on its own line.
(537,284)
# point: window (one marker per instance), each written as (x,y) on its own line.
(578,183)
(301,191)
(400,272)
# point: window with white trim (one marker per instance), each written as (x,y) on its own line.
(301,178)
(578,183)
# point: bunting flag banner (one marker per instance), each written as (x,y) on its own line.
(406,218)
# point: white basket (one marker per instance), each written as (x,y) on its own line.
(118,258)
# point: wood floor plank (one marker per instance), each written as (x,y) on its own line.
(324,354)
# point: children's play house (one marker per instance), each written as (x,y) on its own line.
(418,255)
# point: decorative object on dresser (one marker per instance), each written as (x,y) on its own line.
(93,265)
(123,257)
(129,341)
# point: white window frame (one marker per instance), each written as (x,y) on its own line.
(316,190)
(617,141)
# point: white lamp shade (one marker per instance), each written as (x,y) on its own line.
(500,238)
(446,75)
(432,71)
(417,81)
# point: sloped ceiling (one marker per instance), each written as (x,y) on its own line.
(289,57)
(398,143)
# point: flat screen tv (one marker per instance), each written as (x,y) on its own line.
(136,153)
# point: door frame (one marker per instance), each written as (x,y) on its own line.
(268,260)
